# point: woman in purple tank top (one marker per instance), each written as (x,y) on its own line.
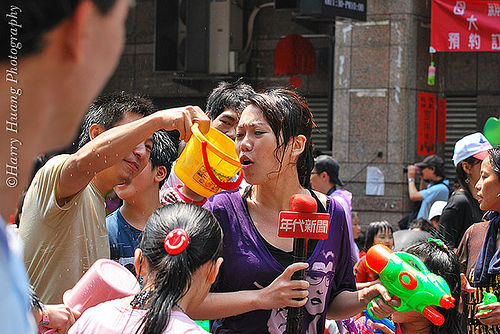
(273,142)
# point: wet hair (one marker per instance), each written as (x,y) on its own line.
(288,116)
(232,95)
(172,274)
(164,151)
(107,110)
(442,261)
(494,155)
(373,229)
(423,224)
(37,18)
(462,176)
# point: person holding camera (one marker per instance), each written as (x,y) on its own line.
(433,184)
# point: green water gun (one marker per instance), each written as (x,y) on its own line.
(488,298)
(407,278)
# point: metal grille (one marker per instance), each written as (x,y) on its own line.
(461,115)
(319,109)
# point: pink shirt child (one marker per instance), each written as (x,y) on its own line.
(114,317)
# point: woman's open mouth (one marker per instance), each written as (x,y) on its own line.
(245,162)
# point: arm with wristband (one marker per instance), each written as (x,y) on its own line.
(59,317)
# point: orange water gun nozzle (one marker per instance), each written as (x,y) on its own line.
(447,301)
(434,316)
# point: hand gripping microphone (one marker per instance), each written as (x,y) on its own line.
(301,223)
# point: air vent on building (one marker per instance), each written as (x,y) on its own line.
(319,109)
(181,36)
(461,115)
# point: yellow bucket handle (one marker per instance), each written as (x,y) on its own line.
(215,179)
(197,133)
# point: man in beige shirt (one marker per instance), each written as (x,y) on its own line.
(63,222)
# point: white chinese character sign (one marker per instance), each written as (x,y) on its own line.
(465,25)
(353,9)
(303,225)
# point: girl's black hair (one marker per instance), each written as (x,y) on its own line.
(289,116)
(442,261)
(495,159)
(463,178)
(172,273)
(373,229)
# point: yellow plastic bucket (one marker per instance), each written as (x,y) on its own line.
(208,163)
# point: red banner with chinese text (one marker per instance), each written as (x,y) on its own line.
(441,127)
(426,141)
(465,25)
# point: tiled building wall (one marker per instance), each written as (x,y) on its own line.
(378,74)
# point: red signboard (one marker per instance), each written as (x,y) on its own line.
(465,25)
(441,130)
(426,124)
(303,225)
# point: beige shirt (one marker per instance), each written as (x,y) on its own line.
(61,243)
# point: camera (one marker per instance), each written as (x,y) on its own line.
(417,169)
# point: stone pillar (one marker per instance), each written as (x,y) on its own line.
(377,71)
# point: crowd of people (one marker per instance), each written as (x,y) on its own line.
(199,258)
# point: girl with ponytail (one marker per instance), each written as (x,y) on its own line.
(179,257)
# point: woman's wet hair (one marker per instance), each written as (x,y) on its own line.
(442,261)
(288,116)
(172,274)
(373,229)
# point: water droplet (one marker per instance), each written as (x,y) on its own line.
(105,161)
(70,174)
(98,155)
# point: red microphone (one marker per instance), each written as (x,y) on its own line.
(301,223)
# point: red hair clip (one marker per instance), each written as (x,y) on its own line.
(176,241)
